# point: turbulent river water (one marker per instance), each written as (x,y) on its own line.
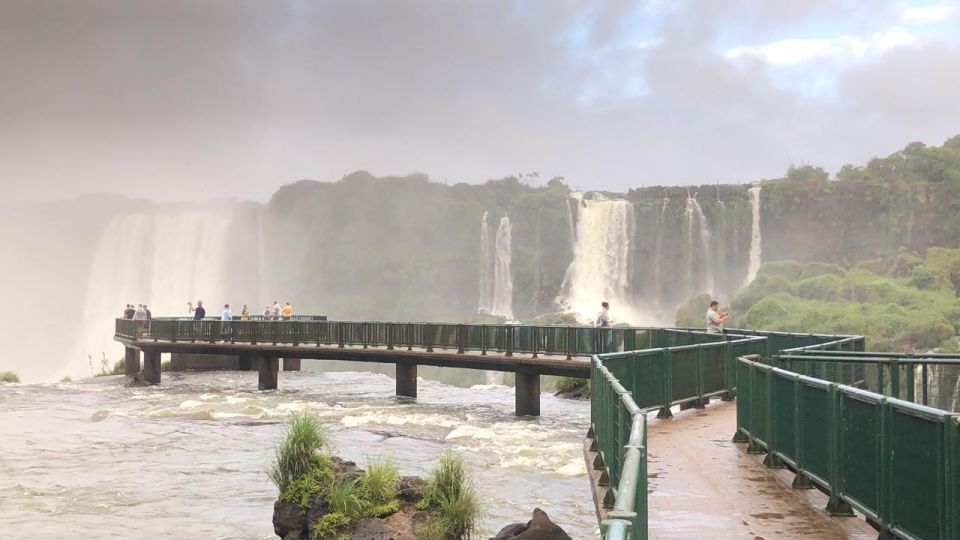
(187,459)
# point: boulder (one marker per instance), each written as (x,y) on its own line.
(539,528)
(288,518)
(411,489)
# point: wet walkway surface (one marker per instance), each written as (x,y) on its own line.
(702,485)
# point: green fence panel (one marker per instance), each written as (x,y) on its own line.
(713,369)
(760,403)
(744,396)
(684,366)
(784,415)
(645,380)
(815,424)
(860,462)
(916,470)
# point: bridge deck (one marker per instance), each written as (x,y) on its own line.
(704,486)
(544,364)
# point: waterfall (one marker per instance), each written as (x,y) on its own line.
(571,224)
(755,239)
(658,252)
(600,267)
(485,304)
(955,404)
(163,260)
(699,265)
(502,279)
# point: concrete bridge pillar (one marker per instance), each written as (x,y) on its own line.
(291,364)
(151,366)
(269,366)
(407,379)
(528,394)
(131,362)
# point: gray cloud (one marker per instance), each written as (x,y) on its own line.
(180,100)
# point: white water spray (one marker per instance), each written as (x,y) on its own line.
(485,303)
(600,267)
(702,266)
(162,260)
(502,278)
(755,238)
(658,251)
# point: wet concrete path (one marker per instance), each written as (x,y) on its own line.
(702,485)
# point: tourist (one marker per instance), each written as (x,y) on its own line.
(129,312)
(198,312)
(603,318)
(139,314)
(275,314)
(147,315)
(715,318)
(287,312)
(245,314)
(267,313)
(225,319)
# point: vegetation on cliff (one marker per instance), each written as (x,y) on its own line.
(9,377)
(905,302)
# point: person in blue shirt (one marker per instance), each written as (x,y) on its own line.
(198,313)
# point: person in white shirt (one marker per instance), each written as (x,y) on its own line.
(603,318)
(226,318)
(715,318)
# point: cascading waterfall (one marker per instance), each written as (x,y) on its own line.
(162,260)
(571,224)
(485,303)
(600,267)
(658,251)
(502,278)
(698,238)
(755,238)
(955,405)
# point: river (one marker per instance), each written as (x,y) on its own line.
(187,459)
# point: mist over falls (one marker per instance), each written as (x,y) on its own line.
(406,248)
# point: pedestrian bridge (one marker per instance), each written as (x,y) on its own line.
(854,425)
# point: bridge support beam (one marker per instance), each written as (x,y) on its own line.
(269,367)
(291,364)
(528,394)
(247,362)
(131,362)
(407,379)
(151,366)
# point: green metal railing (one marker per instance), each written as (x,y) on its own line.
(896,462)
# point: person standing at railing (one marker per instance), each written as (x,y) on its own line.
(147,315)
(129,312)
(287,312)
(225,319)
(715,319)
(198,312)
(139,314)
(275,312)
(603,318)
(267,313)
(245,314)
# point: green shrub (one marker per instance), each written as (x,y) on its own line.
(9,377)
(693,313)
(379,483)
(383,510)
(923,279)
(346,497)
(758,289)
(816,268)
(789,270)
(823,287)
(305,489)
(770,313)
(927,333)
(569,384)
(298,452)
(330,525)
(903,264)
(453,500)
(66,378)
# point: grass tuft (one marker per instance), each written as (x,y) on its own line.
(453,499)
(299,451)
(379,483)
(346,497)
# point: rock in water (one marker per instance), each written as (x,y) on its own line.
(539,528)
(288,518)
(411,489)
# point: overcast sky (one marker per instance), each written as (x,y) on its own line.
(187,100)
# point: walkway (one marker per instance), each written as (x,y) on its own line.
(704,486)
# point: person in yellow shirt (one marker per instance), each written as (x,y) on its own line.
(287,312)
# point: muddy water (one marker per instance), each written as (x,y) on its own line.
(95,459)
